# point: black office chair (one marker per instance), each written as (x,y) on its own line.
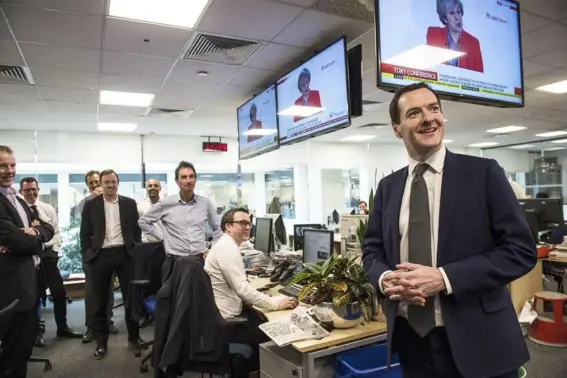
(43,297)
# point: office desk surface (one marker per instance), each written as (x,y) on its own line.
(338,336)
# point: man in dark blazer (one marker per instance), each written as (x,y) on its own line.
(21,241)
(445,237)
(109,230)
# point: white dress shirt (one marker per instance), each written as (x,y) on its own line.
(48,214)
(113,232)
(225,267)
(143,207)
(433,179)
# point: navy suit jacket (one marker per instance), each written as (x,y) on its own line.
(484,243)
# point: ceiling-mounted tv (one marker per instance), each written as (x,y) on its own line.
(313,99)
(258,124)
(467,50)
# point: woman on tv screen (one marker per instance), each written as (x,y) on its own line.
(453,37)
(254,124)
(309,97)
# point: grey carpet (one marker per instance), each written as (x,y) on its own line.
(71,358)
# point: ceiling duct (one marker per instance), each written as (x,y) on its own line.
(15,75)
(217,49)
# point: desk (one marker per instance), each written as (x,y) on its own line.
(305,354)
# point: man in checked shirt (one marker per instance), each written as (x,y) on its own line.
(21,241)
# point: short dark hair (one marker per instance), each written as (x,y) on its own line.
(28,180)
(89,174)
(362,202)
(109,172)
(7,150)
(184,164)
(228,217)
(395,115)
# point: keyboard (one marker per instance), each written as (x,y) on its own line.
(291,291)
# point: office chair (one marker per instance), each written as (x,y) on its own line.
(43,297)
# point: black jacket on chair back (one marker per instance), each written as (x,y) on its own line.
(189,329)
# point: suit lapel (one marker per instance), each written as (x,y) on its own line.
(122,211)
(396,197)
(26,208)
(100,210)
(12,211)
(450,189)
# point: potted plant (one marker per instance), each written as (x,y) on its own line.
(338,290)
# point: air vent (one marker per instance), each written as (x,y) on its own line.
(169,113)
(376,125)
(15,75)
(352,9)
(212,48)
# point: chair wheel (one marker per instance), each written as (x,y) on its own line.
(47,366)
(143,368)
(137,354)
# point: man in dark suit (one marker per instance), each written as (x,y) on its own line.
(21,241)
(109,230)
(445,237)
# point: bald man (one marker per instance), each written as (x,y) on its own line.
(153,189)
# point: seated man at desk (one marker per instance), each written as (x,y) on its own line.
(233,293)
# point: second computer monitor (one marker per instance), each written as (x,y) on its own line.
(298,234)
(317,245)
(263,237)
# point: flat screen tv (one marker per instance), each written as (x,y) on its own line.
(313,99)
(467,50)
(258,124)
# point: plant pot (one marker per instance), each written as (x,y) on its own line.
(345,316)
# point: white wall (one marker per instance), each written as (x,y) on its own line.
(511,160)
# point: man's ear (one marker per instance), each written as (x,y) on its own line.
(396,132)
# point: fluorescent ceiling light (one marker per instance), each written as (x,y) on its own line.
(506,129)
(552,134)
(260,132)
(555,148)
(117,127)
(484,144)
(358,138)
(301,111)
(180,13)
(446,141)
(423,56)
(558,88)
(126,98)
(559,141)
(523,146)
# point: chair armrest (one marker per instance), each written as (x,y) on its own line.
(140,282)
(237,320)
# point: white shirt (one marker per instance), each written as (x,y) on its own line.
(433,179)
(48,214)
(225,266)
(143,207)
(113,232)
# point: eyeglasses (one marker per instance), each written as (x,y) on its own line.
(243,223)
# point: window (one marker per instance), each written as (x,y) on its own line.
(280,193)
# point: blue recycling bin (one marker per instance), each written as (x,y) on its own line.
(367,362)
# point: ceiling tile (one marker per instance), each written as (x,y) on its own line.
(533,68)
(276,57)
(312,27)
(253,77)
(545,78)
(62,78)
(182,95)
(130,83)
(68,107)
(531,22)
(9,53)
(557,58)
(47,26)
(4,32)
(120,63)
(257,19)
(129,36)
(78,6)
(186,70)
(543,40)
(553,9)
(69,94)
(299,3)
(60,57)
(121,110)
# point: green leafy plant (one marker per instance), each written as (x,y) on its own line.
(71,259)
(338,280)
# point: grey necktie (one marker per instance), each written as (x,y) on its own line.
(422,319)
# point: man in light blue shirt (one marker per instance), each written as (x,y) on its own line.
(183,217)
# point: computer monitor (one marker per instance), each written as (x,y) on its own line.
(317,245)
(349,221)
(543,213)
(279,230)
(298,234)
(263,239)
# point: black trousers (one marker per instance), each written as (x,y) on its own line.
(17,344)
(107,262)
(427,357)
(89,294)
(53,281)
(167,266)
(250,334)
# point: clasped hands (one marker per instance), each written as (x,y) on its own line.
(412,283)
(28,230)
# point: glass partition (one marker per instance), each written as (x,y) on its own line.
(340,190)
(280,194)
